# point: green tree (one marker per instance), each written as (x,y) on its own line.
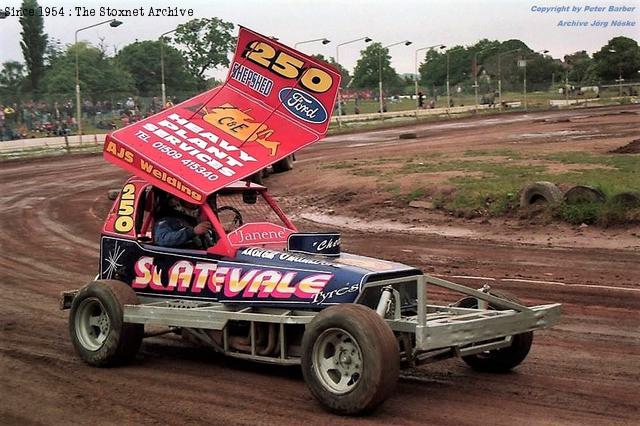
(620,56)
(142,60)
(205,44)
(541,70)
(212,82)
(346,77)
(34,42)
(11,79)
(433,70)
(53,51)
(367,72)
(578,64)
(99,74)
(591,75)
(408,79)
(511,52)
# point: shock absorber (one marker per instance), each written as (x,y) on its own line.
(383,303)
(483,304)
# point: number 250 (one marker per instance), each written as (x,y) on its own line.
(287,66)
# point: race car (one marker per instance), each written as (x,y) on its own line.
(257,288)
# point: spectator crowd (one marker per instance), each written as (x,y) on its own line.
(30,119)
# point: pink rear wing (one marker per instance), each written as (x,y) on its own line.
(274,102)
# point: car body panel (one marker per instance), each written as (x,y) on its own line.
(274,101)
(255,275)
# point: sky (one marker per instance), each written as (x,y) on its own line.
(424,22)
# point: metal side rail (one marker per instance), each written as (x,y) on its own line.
(208,315)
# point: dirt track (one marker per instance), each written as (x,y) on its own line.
(584,371)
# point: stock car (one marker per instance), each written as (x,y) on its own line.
(261,290)
(268,293)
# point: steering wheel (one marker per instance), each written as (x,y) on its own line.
(235,222)
(209,238)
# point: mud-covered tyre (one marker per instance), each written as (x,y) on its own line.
(351,359)
(584,194)
(98,333)
(504,359)
(629,199)
(283,165)
(537,192)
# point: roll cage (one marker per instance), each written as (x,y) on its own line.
(137,202)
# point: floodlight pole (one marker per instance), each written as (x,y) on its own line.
(525,75)
(524,84)
(113,23)
(566,87)
(441,46)
(475,78)
(164,89)
(448,90)
(380,105)
(406,43)
(500,55)
(620,80)
(366,40)
(322,39)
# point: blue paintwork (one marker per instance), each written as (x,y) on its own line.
(341,277)
(325,244)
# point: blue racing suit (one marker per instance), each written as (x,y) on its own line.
(174,232)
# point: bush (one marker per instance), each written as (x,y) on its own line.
(577,214)
(609,214)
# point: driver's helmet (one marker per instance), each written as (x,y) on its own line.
(184,208)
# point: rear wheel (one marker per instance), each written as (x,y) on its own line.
(283,165)
(257,178)
(96,326)
(503,359)
(351,360)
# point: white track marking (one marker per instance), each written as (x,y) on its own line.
(469,278)
(608,287)
(518,280)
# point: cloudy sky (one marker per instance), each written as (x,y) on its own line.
(423,22)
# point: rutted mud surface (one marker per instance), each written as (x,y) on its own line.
(593,238)
(632,147)
(584,371)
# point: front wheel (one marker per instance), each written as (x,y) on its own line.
(351,359)
(503,359)
(96,326)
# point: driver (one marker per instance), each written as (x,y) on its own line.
(179,224)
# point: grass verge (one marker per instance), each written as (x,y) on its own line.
(487,183)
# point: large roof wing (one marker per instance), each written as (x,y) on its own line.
(274,102)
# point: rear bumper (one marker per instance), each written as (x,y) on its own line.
(439,327)
(459,329)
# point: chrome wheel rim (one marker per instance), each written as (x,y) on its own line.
(337,360)
(92,324)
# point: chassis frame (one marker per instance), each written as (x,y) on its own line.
(432,333)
